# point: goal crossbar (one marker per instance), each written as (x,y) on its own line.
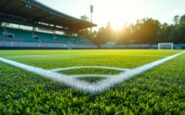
(165,46)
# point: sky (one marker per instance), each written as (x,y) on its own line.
(120,12)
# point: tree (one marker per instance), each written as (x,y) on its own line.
(182,19)
(84,18)
(105,34)
(165,33)
(173,33)
(126,35)
(145,31)
(85,33)
(177,35)
(176,19)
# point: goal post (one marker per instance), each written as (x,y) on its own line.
(165,46)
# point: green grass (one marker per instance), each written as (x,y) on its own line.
(89,71)
(157,91)
(50,59)
(91,79)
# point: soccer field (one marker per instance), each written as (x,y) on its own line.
(139,81)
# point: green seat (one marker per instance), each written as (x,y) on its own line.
(27,36)
(24,36)
(45,37)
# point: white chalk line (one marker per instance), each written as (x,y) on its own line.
(89,67)
(90,75)
(85,86)
(105,84)
(69,81)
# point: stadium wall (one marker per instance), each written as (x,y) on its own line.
(139,46)
(24,45)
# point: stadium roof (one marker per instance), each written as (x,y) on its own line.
(33,12)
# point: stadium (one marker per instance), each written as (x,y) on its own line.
(42,18)
(54,63)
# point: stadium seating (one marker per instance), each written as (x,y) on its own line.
(40,37)
(62,39)
(1,35)
(24,36)
(44,37)
(6,36)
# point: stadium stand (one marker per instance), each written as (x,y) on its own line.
(25,36)
(42,17)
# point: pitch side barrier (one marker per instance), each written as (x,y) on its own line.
(27,45)
(139,46)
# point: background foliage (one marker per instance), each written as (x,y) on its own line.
(144,31)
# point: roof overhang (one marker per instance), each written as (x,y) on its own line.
(31,12)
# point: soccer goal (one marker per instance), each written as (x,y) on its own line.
(165,46)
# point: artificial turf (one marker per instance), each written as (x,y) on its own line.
(157,91)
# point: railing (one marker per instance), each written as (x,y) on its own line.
(140,46)
(13,44)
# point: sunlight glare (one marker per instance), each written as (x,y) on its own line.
(118,12)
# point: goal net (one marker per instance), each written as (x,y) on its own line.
(165,46)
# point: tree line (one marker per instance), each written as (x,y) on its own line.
(144,31)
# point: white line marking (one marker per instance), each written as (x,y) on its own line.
(85,86)
(104,84)
(92,67)
(90,75)
(69,81)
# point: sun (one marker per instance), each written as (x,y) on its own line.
(118,13)
(119,21)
